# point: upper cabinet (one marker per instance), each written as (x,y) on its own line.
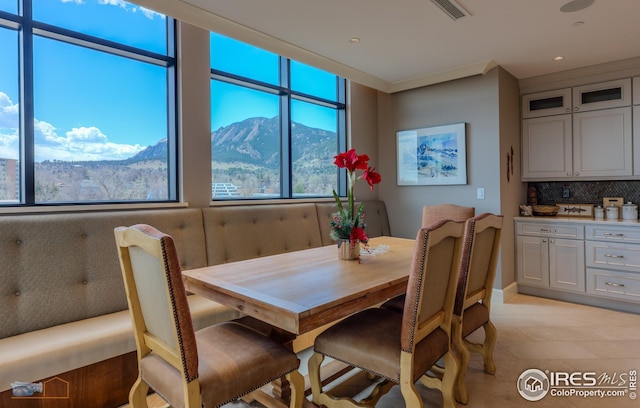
(636,91)
(546,103)
(603,95)
(593,141)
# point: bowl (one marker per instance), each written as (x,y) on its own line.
(545,210)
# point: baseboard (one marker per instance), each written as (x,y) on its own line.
(503,295)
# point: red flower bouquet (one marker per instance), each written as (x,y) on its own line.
(348,223)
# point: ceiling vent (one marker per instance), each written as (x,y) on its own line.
(452,8)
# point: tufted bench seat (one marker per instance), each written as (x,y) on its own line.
(62,302)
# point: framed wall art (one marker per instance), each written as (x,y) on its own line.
(432,156)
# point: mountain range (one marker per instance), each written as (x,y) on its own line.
(255,141)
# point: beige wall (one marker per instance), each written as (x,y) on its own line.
(489,105)
(194,105)
(512,190)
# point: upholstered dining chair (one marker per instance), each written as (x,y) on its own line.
(432,214)
(400,348)
(473,296)
(205,368)
(436,213)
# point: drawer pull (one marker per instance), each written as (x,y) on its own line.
(611,234)
(613,256)
(547,230)
(617,285)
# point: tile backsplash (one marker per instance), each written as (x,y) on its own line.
(587,192)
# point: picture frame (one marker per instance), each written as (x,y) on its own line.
(575,210)
(432,156)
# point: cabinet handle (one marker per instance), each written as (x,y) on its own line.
(613,256)
(576,109)
(577,173)
(617,285)
(611,234)
(547,230)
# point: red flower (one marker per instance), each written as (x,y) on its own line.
(358,234)
(351,161)
(371,176)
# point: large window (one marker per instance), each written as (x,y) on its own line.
(275,124)
(87,102)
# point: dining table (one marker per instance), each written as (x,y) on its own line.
(301,291)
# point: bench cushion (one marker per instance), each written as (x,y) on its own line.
(64,268)
(236,233)
(44,353)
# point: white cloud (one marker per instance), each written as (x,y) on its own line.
(82,143)
(8,112)
(79,144)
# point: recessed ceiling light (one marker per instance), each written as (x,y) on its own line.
(576,5)
(354,40)
(558,58)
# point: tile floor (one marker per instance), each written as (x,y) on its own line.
(547,335)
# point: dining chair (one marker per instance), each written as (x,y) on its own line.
(432,214)
(436,213)
(400,348)
(205,368)
(473,297)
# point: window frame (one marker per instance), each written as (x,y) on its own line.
(27,28)
(286,95)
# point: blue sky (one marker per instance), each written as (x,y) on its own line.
(94,106)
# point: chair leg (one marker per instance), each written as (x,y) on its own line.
(138,394)
(449,380)
(490,336)
(297,388)
(464,356)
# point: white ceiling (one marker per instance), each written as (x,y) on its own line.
(405,43)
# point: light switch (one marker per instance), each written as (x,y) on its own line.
(480,193)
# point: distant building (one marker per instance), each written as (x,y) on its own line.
(9,180)
(224,190)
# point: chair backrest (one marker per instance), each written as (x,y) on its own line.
(479,260)
(432,214)
(157,297)
(432,282)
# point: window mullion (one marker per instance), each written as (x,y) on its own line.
(27,127)
(286,177)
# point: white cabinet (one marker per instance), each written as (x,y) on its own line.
(602,143)
(546,103)
(547,148)
(594,142)
(613,262)
(603,95)
(636,91)
(546,259)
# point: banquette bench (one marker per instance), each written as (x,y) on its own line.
(63,308)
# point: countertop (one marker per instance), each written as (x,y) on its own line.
(580,220)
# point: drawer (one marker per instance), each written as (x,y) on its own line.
(613,284)
(613,233)
(540,229)
(613,255)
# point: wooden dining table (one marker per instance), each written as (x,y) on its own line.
(298,292)
(303,290)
